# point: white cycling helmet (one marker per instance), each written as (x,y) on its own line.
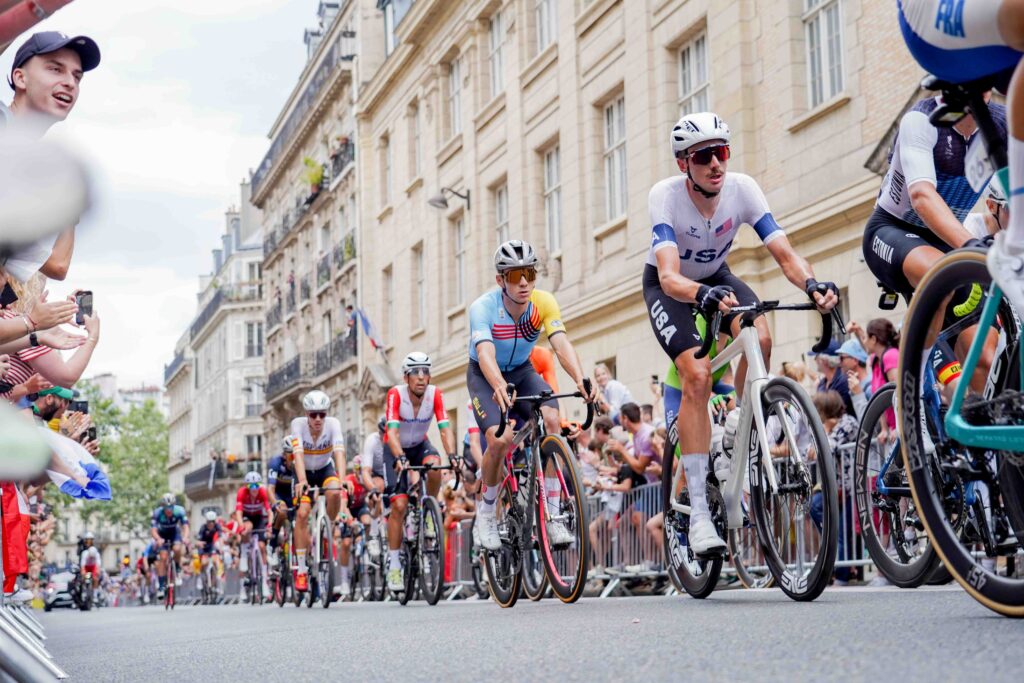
(995,191)
(286,445)
(316,401)
(210,516)
(253,478)
(88,536)
(169,499)
(515,254)
(415,361)
(694,129)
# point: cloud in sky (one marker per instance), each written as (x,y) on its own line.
(173,119)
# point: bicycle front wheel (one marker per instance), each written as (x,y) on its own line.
(535,578)
(325,566)
(797,514)
(502,565)
(562,520)
(940,473)
(431,552)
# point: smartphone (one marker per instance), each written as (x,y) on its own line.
(654,379)
(84,301)
(79,407)
(90,433)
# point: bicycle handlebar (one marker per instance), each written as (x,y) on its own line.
(543,397)
(754,310)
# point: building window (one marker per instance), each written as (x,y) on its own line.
(547,22)
(415,148)
(325,238)
(326,329)
(824,50)
(394,12)
(389,304)
(385,166)
(693,76)
(459,240)
(615,158)
(455,97)
(419,273)
(497,53)
(254,444)
(253,340)
(553,199)
(501,213)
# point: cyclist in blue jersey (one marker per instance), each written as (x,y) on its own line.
(695,218)
(504,325)
(280,490)
(169,525)
(964,41)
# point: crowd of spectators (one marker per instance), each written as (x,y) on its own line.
(36,379)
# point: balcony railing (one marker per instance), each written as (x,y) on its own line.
(289,302)
(290,374)
(323,359)
(173,367)
(342,157)
(344,251)
(205,478)
(339,55)
(305,291)
(225,295)
(274,316)
(323,271)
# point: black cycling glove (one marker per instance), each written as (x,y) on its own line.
(709,298)
(813,287)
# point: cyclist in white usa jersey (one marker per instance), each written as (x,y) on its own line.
(694,221)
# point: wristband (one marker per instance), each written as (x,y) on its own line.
(33,340)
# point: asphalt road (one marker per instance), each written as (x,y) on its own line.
(851,634)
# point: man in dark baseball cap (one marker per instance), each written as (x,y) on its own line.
(46,73)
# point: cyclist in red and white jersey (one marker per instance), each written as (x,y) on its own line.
(90,559)
(411,407)
(318,448)
(252,511)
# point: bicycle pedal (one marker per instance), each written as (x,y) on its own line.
(712,554)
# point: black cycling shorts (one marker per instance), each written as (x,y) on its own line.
(527,381)
(888,241)
(673,320)
(416,455)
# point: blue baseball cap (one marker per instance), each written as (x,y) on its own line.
(853,349)
(45,42)
(831,350)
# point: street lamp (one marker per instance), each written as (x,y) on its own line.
(439,201)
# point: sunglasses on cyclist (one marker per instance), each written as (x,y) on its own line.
(317,416)
(516,274)
(703,156)
(418,372)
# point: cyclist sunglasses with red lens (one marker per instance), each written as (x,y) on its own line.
(703,156)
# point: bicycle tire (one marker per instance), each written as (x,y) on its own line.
(325,566)
(432,558)
(502,565)
(740,540)
(810,583)
(535,578)
(1000,594)
(408,573)
(567,567)
(688,573)
(909,569)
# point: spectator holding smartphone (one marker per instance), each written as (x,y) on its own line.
(613,392)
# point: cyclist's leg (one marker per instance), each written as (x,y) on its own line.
(745,295)
(422,454)
(301,530)
(899,253)
(487,417)
(396,489)
(332,485)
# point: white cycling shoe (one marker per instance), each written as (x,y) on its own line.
(487,524)
(1006,266)
(558,535)
(703,537)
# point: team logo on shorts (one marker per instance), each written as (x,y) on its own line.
(478,409)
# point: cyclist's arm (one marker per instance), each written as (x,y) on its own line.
(567,356)
(443,425)
(366,471)
(392,406)
(916,141)
(340,461)
(794,266)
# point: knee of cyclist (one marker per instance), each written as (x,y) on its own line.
(303,512)
(764,338)
(398,505)
(697,385)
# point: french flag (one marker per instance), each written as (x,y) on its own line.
(78,460)
(727,225)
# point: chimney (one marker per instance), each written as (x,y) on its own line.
(227,244)
(218,260)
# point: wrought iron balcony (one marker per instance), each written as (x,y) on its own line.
(323,271)
(274,316)
(289,303)
(208,476)
(289,375)
(344,251)
(241,293)
(305,291)
(342,157)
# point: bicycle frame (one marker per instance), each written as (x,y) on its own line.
(993,437)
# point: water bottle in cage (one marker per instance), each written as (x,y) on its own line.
(721,461)
(411,524)
(732,422)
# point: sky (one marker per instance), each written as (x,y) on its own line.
(174,117)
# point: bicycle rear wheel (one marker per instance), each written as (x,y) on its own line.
(410,570)
(688,573)
(535,578)
(502,565)
(567,564)
(432,557)
(800,553)
(934,479)
(888,519)
(747,558)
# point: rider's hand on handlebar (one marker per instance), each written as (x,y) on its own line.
(503,400)
(588,396)
(825,295)
(401,462)
(719,298)
(301,489)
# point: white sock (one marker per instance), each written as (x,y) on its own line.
(344,574)
(696,467)
(300,559)
(1015,232)
(554,491)
(488,497)
(394,559)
